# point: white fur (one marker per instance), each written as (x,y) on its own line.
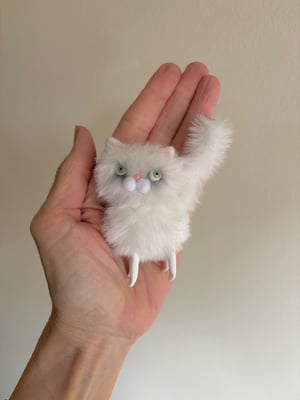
(147,220)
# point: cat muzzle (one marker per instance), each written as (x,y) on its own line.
(142,185)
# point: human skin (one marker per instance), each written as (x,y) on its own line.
(96,317)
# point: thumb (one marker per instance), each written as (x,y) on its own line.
(73,175)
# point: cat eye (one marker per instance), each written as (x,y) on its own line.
(155,175)
(120,170)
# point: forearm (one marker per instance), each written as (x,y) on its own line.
(62,369)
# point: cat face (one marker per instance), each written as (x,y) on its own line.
(136,171)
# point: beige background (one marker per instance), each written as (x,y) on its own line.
(230,328)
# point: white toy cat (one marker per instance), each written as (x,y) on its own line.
(149,192)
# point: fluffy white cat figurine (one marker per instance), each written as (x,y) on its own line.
(149,192)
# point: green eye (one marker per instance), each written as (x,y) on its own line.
(120,170)
(155,175)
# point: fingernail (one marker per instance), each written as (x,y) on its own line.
(76,130)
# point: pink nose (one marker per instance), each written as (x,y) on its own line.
(137,176)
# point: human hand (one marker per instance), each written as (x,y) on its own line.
(87,283)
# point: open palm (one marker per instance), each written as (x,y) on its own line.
(87,283)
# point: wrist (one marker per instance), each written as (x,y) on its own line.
(82,337)
(66,367)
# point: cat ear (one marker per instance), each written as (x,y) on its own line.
(169,151)
(113,143)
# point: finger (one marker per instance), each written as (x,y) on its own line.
(73,176)
(141,116)
(177,105)
(91,197)
(204,102)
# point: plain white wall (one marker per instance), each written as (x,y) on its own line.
(230,327)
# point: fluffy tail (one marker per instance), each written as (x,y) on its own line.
(206,145)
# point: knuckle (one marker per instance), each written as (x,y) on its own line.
(34,226)
(62,167)
(37,222)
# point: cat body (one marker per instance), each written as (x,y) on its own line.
(150,191)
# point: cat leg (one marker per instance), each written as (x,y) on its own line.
(133,269)
(166,266)
(171,262)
